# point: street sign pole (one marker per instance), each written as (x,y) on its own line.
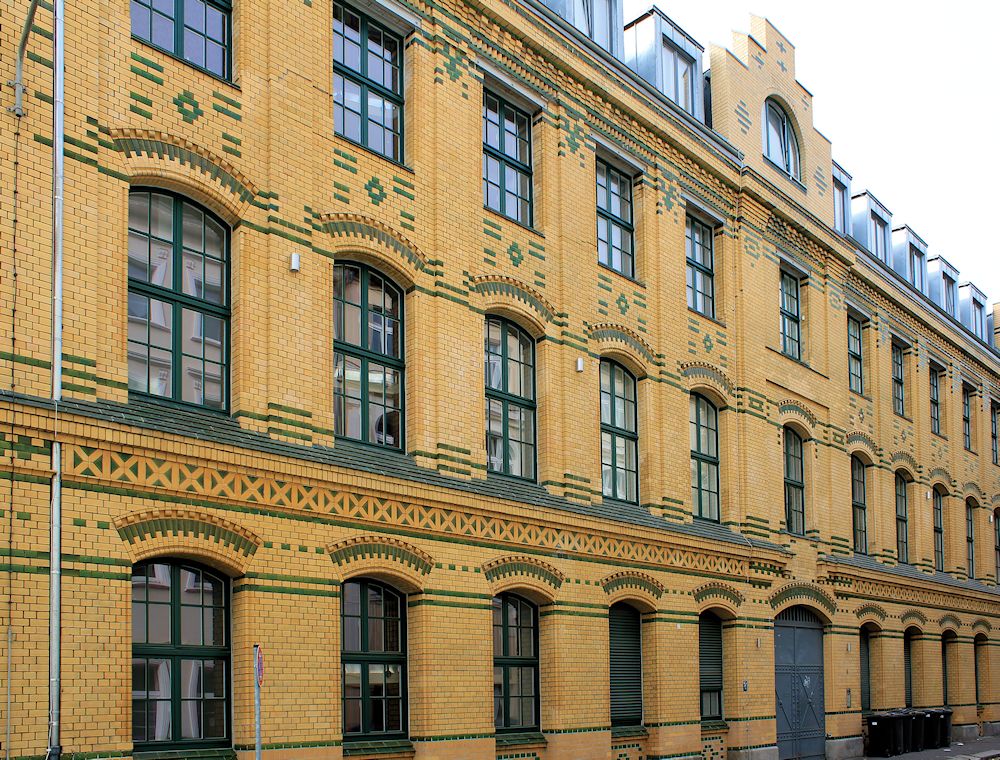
(258,679)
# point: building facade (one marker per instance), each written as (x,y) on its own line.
(521,391)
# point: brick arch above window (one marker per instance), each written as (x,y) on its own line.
(384,558)
(189,534)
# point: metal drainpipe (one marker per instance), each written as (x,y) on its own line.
(55,511)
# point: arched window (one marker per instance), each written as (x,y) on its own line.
(908,636)
(947,639)
(859,505)
(780,144)
(704,458)
(178,300)
(795,483)
(939,530)
(180,656)
(619,433)
(515,664)
(368,356)
(970,537)
(981,667)
(996,542)
(864,651)
(510,399)
(625,641)
(710,665)
(374,660)
(902,519)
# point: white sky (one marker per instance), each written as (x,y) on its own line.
(907,94)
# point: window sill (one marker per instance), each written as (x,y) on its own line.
(195,66)
(621,732)
(942,436)
(380,747)
(219,753)
(614,271)
(971,451)
(714,726)
(800,362)
(506,218)
(703,315)
(861,396)
(797,182)
(176,404)
(522,739)
(902,416)
(374,153)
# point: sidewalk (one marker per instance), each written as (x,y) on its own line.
(983,748)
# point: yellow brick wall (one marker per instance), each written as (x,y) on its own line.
(260,152)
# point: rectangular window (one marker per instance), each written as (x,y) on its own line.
(615,232)
(840,206)
(935,376)
(916,268)
(938,531)
(197,31)
(506,159)
(699,249)
(902,521)
(678,77)
(855,355)
(967,417)
(995,435)
(949,294)
(879,237)
(710,665)
(978,319)
(367,83)
(898,381)
(596,19)
(970,538)
(791,335)
(859,504)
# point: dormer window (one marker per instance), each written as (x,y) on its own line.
(949,295)
(879,237)
(596,19)
(780,145)
(916,268)
(678,77)
(978,319)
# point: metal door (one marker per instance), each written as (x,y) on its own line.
(798,684)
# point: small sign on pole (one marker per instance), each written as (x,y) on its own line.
(258,679)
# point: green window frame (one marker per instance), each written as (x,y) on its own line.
(995,431)
(704,427)
(515,664)
(795,485)
(938,501)
(368,344)
(979,651)
(619,433)
(859,504)
(996,543)
(507,180)
(510,399)
(967,417)
(908,668)
(199,32)
(699,249)
(970,537)
(935,380)
(855,355)
(367,82)
(710,662)
(947,638)
(178,300)
(373,661)
(615,229)
(902,520)
(181,657)
(791,316)
(898,381)
(864,652)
